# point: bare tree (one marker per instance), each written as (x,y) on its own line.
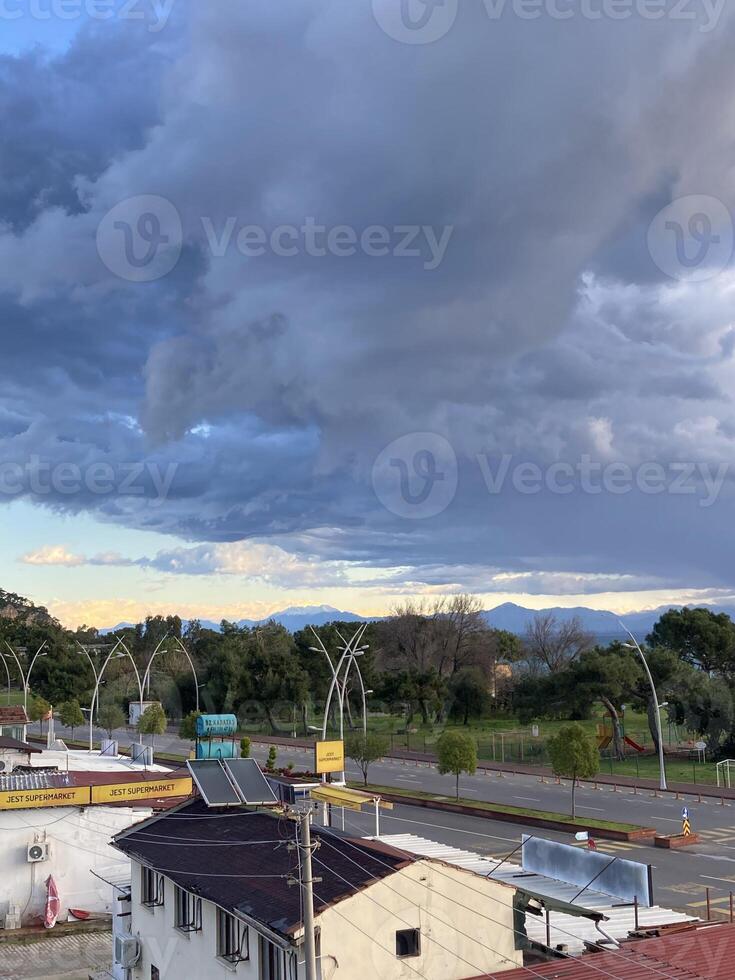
(551,645)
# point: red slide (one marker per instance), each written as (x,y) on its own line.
(634,745)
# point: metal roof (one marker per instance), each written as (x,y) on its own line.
(704,953)
(36,780)
(567,929)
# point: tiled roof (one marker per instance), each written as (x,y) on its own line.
(13,714)
(705,953)
(224,866)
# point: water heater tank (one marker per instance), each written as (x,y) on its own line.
(209,725)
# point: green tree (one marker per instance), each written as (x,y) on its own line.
(245,747)
(573,755)
(457,753)
(270,674)
(703,638)
(188,726)
(153,722)
(71,715)
(469,694)
(272,758)
(366,749)
(110,717)
(38,708)
(703,705)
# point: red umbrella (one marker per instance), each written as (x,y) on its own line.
(52,903)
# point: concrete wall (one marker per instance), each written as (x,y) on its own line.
(454,909)
(78,839)
(358,935)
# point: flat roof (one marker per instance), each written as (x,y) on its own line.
(572,930)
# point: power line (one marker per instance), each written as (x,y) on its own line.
(411,924)
(483,915)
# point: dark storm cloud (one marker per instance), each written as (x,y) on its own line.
(535,153)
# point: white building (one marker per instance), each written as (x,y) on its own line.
(215,892)
(71,844)
(56,820)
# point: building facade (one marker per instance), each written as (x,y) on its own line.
(214,894)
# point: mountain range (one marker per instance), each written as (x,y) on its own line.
(604,625)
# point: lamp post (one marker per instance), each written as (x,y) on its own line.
(661,763)
(349,651)
(7,671)
(193,670)
(97,681)
(26,677)
(128,654)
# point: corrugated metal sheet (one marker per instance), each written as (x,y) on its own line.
(571,930)
(706,953)
(35,780)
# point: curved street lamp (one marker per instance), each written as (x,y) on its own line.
(26,677)
(193,670)
(7,671)
(348,657)
(97,681)
(661,762)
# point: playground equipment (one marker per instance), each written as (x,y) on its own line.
(605,737)
(723,772)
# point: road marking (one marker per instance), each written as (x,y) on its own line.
(713,878)
(530,799)
(595,808)
(454,830)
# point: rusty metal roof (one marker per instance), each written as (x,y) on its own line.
(699,953)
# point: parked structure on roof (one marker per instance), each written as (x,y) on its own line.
(215,884)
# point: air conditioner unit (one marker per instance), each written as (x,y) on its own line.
(127,951)
(39,851)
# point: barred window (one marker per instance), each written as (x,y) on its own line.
(151,888)
(232,938)
(187,911)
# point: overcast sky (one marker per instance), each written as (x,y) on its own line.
(347,302)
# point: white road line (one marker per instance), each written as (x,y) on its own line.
(531,799)
(595,808)
(454,830)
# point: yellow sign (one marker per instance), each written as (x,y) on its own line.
(25,799)
(329,757)
(145,790)
(351,799)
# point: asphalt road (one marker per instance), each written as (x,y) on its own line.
(680,877)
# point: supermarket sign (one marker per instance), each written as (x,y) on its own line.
(131,792)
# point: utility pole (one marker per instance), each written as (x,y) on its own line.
(305,847)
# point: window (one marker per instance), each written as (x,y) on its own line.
(151,888)
(232,938)
(187,911)
(408,942)
(272,961)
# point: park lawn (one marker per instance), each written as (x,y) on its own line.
(501,808)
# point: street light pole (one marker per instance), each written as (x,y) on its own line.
(26,678)
(97,682)
(7,671)
(661,762)
(193,670)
